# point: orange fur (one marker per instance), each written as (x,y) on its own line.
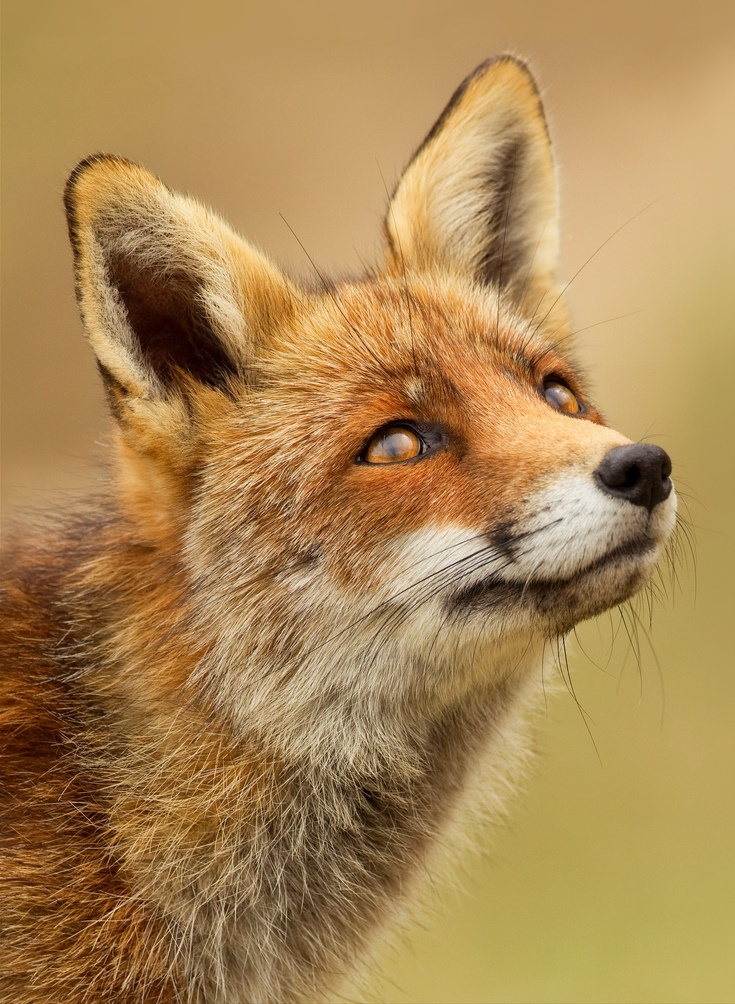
(248,693)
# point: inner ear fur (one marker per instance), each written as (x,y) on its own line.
(479,196)
(166,289)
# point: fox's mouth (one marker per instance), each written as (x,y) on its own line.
(602,583)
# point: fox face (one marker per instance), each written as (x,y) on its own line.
(404,471)
(262,678)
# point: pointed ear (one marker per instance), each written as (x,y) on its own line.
(479,196)
(168,293)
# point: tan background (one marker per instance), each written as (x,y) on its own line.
(616,881)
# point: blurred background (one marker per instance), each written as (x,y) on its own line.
(616,879)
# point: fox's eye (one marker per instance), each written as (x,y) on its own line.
(559,396)
(392,445)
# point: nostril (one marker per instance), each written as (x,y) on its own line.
(619,471)
(632,477)
(638,473)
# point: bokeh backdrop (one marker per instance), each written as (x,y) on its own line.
(616,879)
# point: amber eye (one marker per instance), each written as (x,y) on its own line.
(392,445)
(559,396)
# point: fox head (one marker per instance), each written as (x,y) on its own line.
(383,494)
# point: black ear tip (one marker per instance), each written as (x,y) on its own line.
(479,72)
(507,58)
(85,165)
(71,186)
(107,164)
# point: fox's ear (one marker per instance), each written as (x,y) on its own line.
(167,292)
(479,195)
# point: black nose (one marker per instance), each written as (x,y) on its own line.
(639,473)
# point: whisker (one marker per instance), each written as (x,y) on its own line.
(529,271)
(529,332)
(449,547)
(588,657)
(326,286)
(446,576)
(591,257)
(608,320)
(635,649)
(567,678)
(436,574)
(656,661)
(519,663)
(395,615)
(406,293)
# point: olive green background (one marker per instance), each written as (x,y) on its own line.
(616,879)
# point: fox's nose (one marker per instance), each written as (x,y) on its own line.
(639,473)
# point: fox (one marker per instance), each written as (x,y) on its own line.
(296,648)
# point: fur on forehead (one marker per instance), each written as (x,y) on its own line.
(167,289)
(396,327)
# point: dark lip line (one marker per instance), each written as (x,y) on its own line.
(636,547)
